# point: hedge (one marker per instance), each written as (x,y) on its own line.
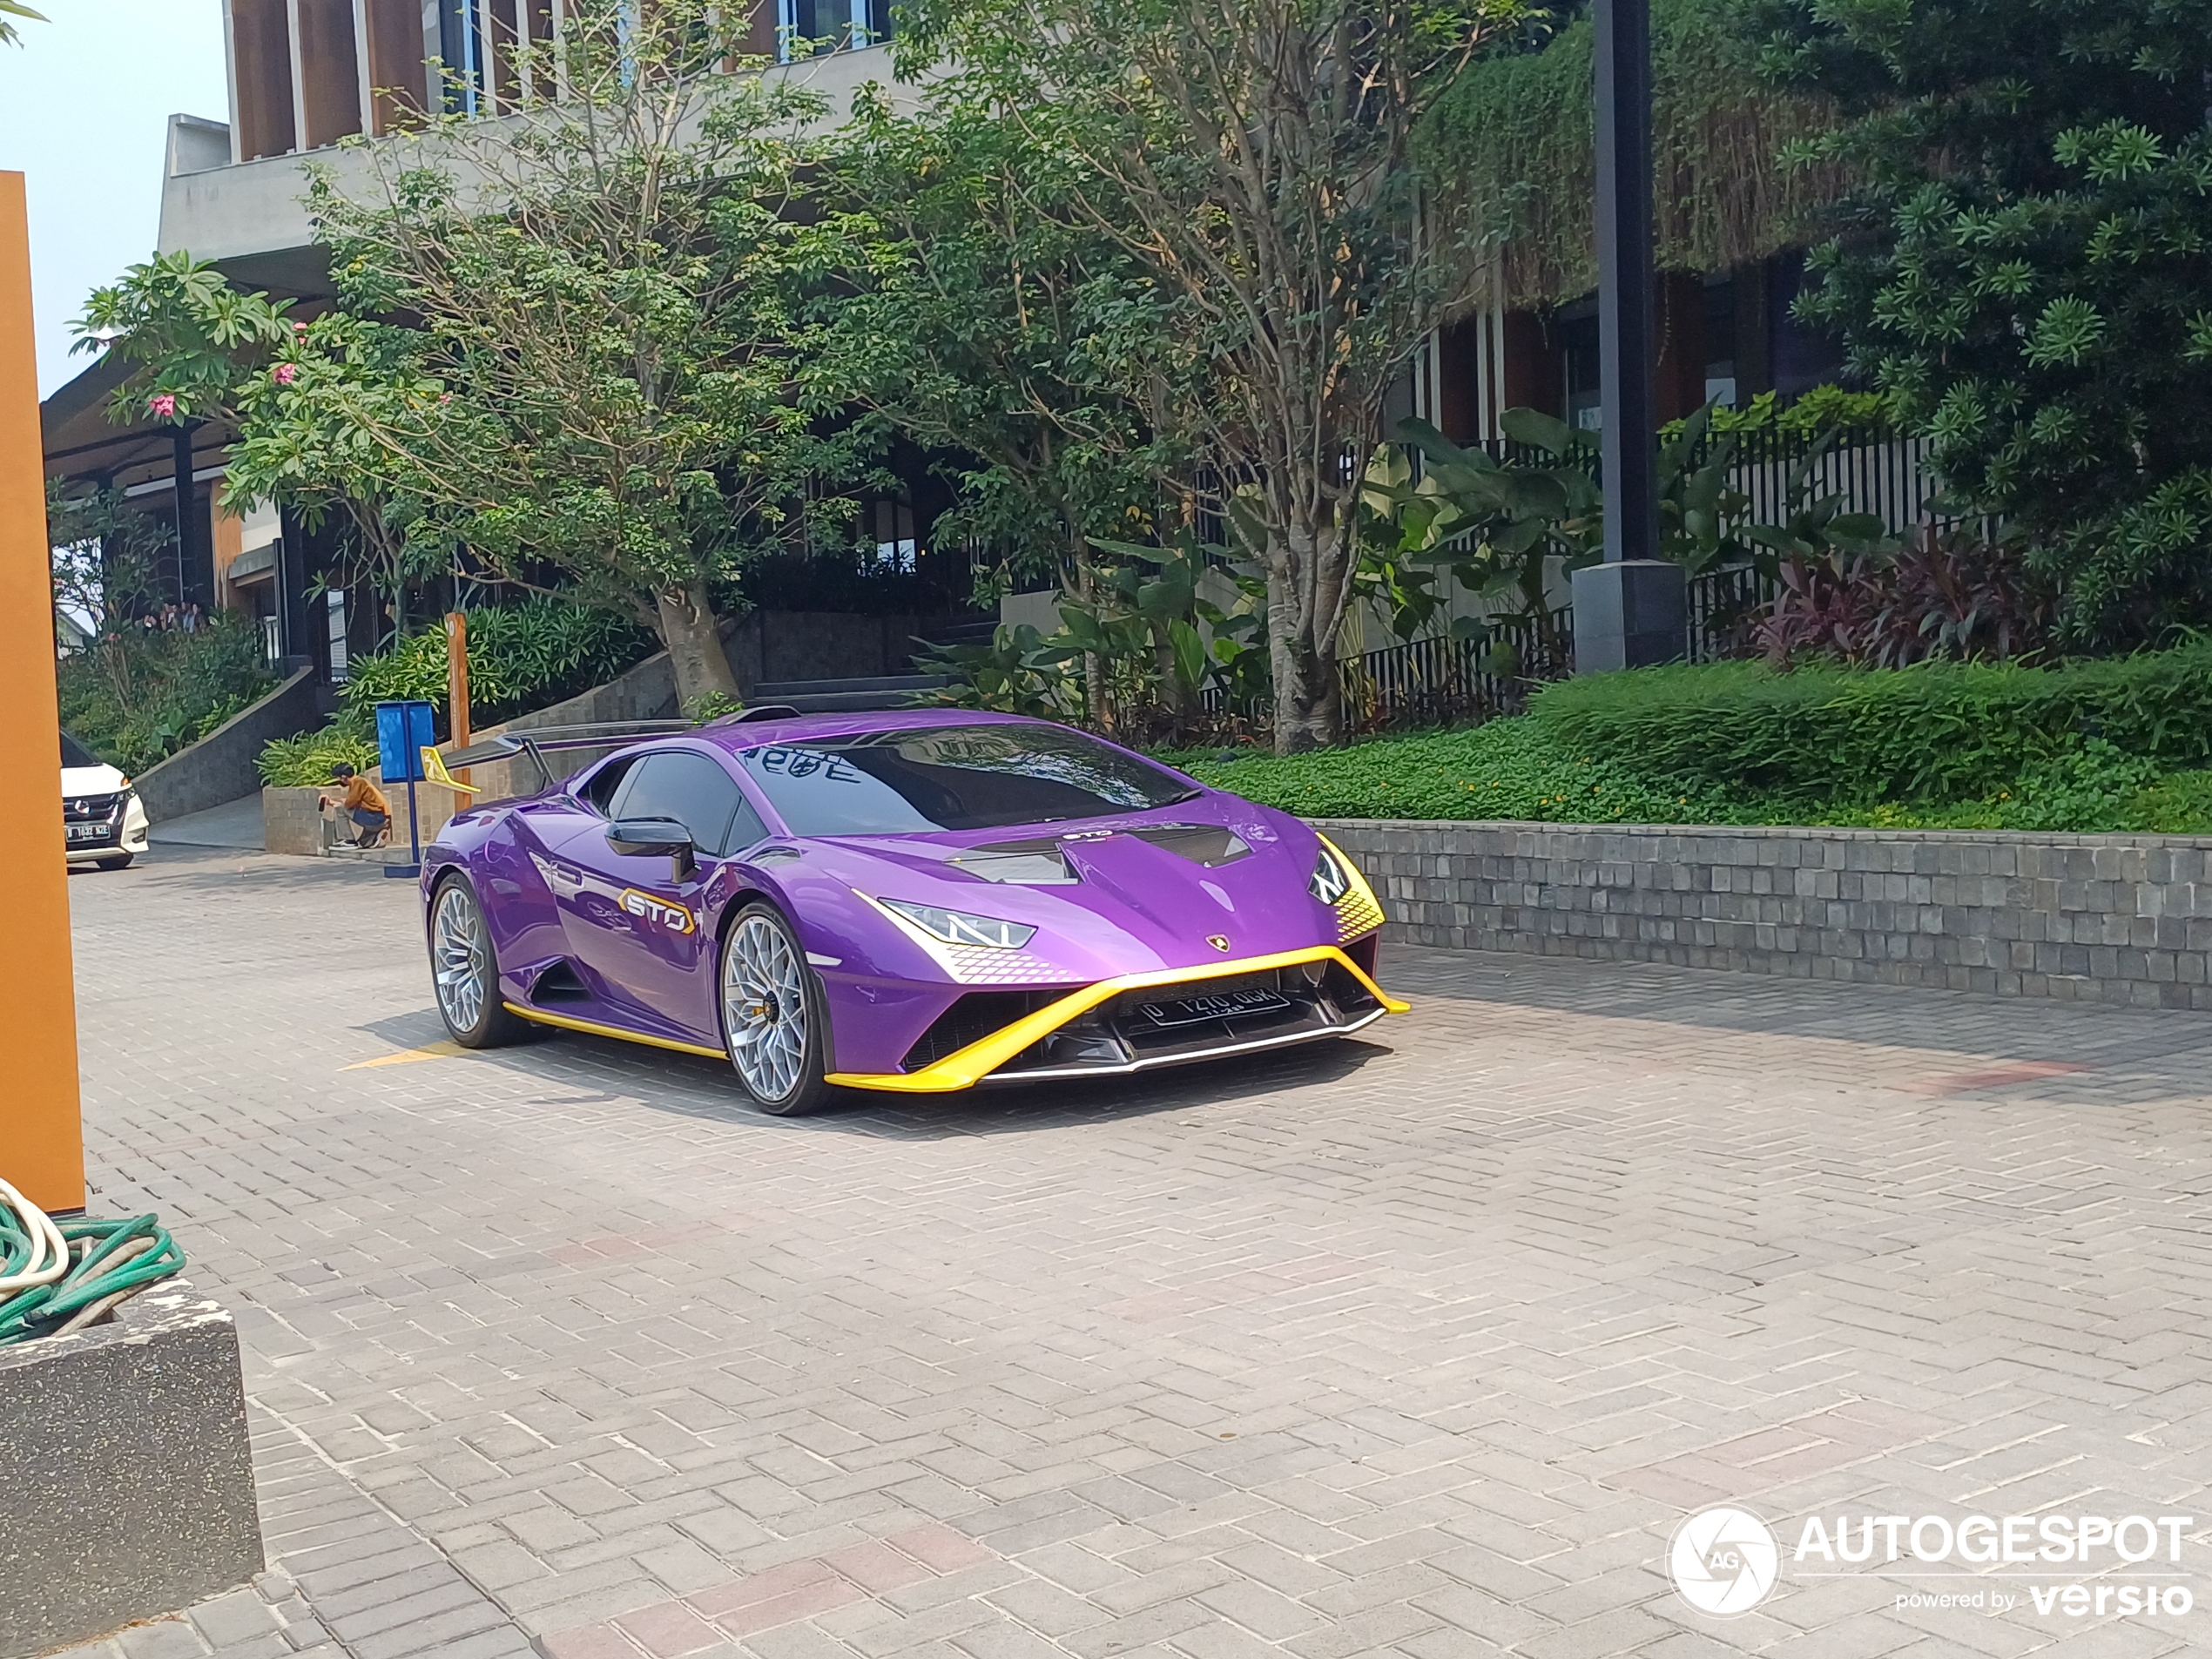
(1932,733)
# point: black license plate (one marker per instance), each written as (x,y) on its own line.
(1229,1005)
(85,832)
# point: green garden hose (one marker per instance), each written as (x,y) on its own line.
(56,1277)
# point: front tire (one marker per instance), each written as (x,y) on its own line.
(464,969)
(773,1023)
(121,861)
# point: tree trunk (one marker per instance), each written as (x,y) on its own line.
(686,621)
(1304,578)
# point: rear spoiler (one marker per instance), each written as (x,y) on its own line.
(539,741)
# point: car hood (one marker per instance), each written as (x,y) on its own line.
(1150,891)
(91,780)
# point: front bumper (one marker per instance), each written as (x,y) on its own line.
(1104,1029)
(124,833)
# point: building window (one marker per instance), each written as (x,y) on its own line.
(895,536)
(1720,341)
(1585,393)
(334,606)
(806,27)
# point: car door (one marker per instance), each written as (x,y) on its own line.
(646,937)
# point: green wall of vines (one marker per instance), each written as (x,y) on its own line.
(1509,152)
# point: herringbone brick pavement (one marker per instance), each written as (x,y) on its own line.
(1419,1346)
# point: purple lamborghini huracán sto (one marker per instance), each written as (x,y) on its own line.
(915,901)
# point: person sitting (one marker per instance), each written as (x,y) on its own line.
(364,803)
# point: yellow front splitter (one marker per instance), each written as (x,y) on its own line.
(978,1060)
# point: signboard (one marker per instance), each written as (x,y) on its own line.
(402,733)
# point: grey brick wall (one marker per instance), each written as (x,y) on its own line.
(2100,918)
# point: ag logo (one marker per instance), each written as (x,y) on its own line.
(1220,941)
(662,912)
(1723,1562)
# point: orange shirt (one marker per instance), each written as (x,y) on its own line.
(361,793)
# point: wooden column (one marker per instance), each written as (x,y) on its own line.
(42,1132)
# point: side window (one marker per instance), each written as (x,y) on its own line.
(747,827)
(693,790)
(606,782)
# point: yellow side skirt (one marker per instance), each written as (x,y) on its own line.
(591,1027)
(978,1060)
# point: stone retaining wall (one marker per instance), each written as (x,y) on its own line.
(220,767)
(2101,917)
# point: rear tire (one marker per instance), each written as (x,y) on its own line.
(121,861)
(464,969)
(773,1019)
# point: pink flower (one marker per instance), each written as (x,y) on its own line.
(299,327)
(445,397)
(163,404)
(286,373)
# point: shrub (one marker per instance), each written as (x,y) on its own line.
(520,657)
(1934,733)
(1507,769)
(307,759)
(135,696)
(1514,769)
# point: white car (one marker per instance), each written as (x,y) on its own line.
(102,821)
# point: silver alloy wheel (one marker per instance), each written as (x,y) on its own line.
(764,1009)
(459,954)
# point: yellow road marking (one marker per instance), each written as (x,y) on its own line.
(443,1049)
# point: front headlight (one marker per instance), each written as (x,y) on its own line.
(1330,881)
(957,928)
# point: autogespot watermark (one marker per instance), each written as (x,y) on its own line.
(1726,1560)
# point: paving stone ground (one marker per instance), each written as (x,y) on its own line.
(1422,1347)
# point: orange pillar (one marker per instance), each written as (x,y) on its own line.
(42,1129)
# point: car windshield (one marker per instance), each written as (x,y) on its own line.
(954,778)
(75,754)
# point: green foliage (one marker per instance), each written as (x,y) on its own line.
(1510,153)
(306,760)
(1817,412)
(1936,732)
(136,696)
(2023,270)
(1519,771)
(1140,651)
(520,657)
(10,36)
(1506,769)
(958,199)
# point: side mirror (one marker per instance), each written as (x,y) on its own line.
(652,837)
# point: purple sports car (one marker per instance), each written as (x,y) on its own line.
(915,901)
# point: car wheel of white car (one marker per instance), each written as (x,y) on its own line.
(771,1020)
(464,970)
(121,861)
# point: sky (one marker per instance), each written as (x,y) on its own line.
(84,108)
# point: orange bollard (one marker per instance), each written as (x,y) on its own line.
(42,1126)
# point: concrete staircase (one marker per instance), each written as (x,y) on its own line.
(869,692)
(847,696)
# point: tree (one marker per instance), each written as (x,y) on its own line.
(1046,453)
(601,292)
(202,350)
(1250,166)
(2026,267)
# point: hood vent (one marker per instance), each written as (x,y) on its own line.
(1036,863)
(1206,844)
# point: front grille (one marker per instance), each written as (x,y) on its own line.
(1122,1032)
(971,1019)
(90,809)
